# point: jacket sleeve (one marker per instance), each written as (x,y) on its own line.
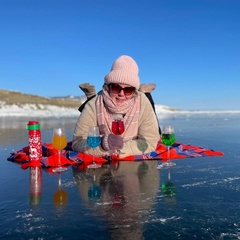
(86,119)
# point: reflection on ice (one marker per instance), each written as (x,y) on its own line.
(127,194)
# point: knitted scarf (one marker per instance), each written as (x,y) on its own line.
(130,110)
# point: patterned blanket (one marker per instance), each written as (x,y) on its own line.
(69,157)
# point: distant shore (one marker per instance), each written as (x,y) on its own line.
(17,104)
(32,110)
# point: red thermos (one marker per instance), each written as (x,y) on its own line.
(35,141)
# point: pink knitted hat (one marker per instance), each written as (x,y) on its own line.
(124,71)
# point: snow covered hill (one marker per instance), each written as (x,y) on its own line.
(23,105)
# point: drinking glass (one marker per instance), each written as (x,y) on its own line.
(59,142)
(142,145)
(118,127)
(168,138)
(93,140)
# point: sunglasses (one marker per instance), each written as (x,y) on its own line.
(117,89)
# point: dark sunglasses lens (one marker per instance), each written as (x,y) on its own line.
(116,88)
(128,90)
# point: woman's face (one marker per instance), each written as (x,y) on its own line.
(120,92)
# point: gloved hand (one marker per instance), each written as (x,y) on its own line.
(112,142)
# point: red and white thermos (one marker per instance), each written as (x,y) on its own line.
(35,141)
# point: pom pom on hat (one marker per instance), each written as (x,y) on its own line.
(124,71)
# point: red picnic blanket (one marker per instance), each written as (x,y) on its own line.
(69,157)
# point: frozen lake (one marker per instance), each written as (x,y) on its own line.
(131,202)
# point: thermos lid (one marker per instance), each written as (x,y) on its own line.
(33,125)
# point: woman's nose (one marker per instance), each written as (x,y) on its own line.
(121,93)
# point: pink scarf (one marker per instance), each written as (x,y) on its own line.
(130,110)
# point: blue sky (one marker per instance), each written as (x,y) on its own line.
(189,48)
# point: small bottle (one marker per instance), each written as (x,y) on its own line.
(35,141)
